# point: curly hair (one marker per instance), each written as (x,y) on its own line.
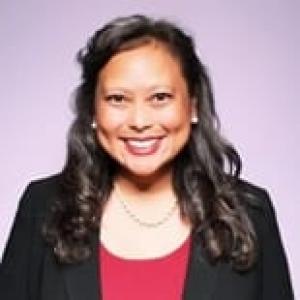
(205,172)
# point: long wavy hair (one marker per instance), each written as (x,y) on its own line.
(205,172)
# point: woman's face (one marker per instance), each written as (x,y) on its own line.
(143,109)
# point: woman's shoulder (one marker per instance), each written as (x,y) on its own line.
(256,200)
(252,194)
(46,184)
(39,195)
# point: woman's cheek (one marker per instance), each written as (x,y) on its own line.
(108,124)
(174,119)
(111,120)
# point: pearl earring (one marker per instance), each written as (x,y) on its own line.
(194,120)
(94,124)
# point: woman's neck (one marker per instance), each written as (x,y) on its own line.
(145,187)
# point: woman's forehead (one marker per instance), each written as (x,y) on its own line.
(142,69)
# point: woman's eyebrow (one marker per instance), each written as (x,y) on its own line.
(163,86)
(116,89)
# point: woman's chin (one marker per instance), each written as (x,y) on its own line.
(146,172)
(143,172)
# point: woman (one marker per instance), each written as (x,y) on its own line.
(149,204)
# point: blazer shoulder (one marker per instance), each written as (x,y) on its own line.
(254,198)
(39,195)
(49,183)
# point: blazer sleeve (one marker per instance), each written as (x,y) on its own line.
(15,267)
(276,282)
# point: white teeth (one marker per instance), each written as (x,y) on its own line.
(142,144)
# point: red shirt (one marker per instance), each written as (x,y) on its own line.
(159,278)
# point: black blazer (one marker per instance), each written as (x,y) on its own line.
(29,270)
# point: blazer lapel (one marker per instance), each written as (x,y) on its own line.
(201,278)
(81,279)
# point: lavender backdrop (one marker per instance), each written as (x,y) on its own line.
(251,48)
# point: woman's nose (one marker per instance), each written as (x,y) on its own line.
(140,117)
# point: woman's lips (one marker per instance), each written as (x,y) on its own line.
(142,146)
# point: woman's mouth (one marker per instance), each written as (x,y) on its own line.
(143,146)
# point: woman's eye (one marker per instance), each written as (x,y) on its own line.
(115,98)
(162,97)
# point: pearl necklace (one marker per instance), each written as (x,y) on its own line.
(137,219)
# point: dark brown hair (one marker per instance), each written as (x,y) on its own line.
(205,172)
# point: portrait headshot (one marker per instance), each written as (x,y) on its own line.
(149,152)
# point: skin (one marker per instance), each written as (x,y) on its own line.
(142,93)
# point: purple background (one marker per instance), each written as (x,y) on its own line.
(251,48)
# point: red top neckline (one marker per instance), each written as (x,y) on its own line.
(159,278)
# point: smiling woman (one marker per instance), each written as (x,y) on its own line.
(149,204)
(143,110)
